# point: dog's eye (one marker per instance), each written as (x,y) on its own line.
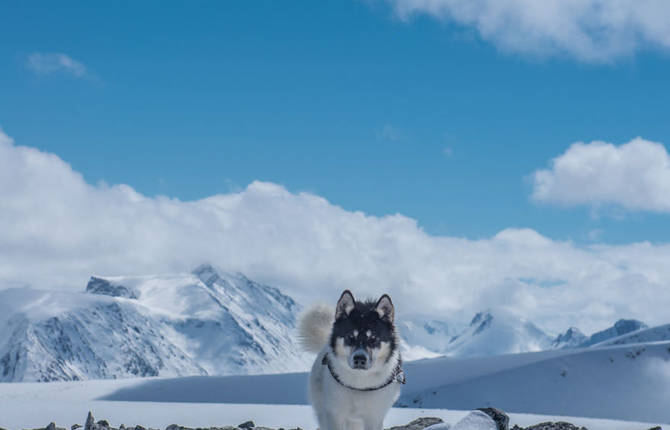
(351,338)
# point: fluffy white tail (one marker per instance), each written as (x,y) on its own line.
(314,327)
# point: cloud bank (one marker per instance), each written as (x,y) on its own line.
(588,30)
(56,230)
(635,176)
(50,63)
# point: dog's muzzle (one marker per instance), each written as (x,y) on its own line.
(360,359)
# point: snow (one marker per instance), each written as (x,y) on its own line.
(26,413)
(625,382)
(476,420)
(498,333)
(204,322)
(630,382)
(653,334)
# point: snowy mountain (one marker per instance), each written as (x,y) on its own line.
(619,328)
(497,333)
(572,338)
(204,322)
(424,337)
(652,334)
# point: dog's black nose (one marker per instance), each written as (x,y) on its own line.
(360,361)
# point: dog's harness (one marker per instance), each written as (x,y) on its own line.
(397,376)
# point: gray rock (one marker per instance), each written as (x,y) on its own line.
(90,422)
(561,425)
(501,419)
(103,423)
(177,427)
(418,424)
(75,426)
(247,425)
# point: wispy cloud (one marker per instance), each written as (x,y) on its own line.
(64,229)
(388,133)
(52,63)
(633,176)
(588,30)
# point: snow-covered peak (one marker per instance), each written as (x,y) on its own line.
(204,322)
(498,332)
(621,327)
(572,338)
(481,321)
(105,287)
(652,334)
(207,274)
(424,337)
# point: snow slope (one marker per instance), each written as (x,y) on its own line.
(630,382)
(653,334)
(204,322)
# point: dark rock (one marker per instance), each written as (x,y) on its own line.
(75,426)
(177,427)
(103,423)
(51,426)
(555,426)
(247,425)
(106,288)
(90,422)
(139,428)
(418,424)
(656,428)
(501,419)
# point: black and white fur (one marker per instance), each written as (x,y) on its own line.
(354,379)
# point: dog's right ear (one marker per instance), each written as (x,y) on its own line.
(345,305)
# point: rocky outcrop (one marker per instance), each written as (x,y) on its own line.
(498,421)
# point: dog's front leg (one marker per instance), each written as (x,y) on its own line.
(373,423)
(332,421)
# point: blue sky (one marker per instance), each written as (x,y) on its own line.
(344,99)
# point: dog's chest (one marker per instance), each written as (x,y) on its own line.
(361,404)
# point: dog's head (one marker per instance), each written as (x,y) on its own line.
(363,334)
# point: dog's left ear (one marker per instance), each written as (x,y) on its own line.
(385,307)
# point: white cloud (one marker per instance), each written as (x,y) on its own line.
(589,30)
(49,63)
(56,230)
(635,176)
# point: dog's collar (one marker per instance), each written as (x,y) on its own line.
(396,376)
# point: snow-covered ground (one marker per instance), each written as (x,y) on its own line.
(624,382)
(19,414)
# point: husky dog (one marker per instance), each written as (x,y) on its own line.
(357,373)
